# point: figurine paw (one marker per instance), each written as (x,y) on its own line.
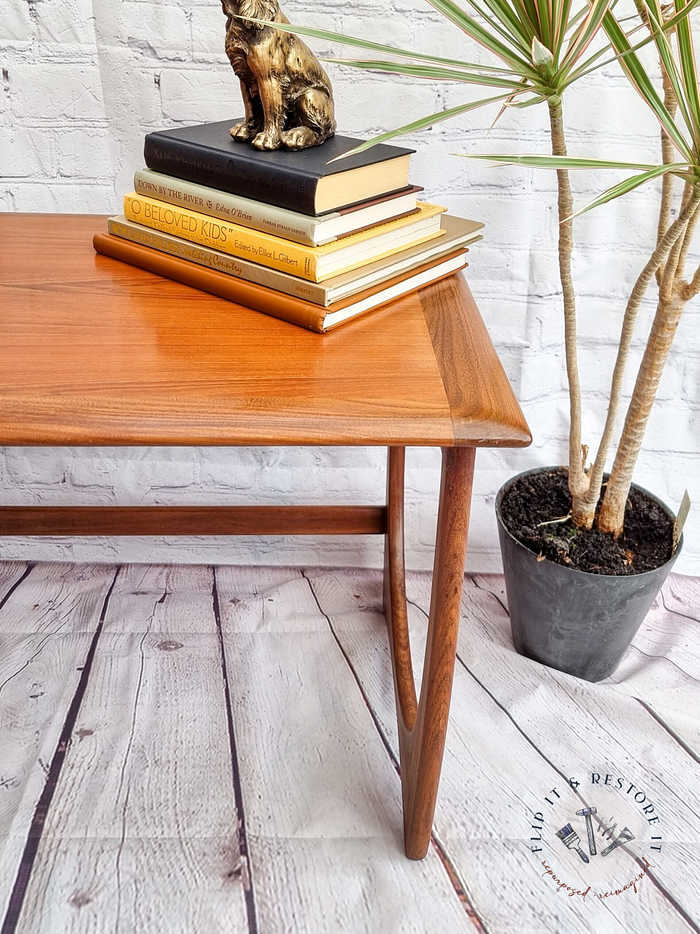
(299,137)
(244,132)
(268,139)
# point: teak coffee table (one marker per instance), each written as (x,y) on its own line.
(95,352)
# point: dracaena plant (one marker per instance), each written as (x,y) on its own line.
(677,110)
(540,48)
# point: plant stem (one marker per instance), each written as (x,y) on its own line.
(667,156)
(668,313)
(656,261)
(578,481)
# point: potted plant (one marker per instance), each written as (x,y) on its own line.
(585,553)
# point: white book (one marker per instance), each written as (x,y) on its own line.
(301,228)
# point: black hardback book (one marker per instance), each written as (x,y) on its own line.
(206,155)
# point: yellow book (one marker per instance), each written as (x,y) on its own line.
(307,262)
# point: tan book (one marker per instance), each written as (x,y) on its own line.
(269,302)
(459,232)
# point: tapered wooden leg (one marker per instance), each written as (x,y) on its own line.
(423,722)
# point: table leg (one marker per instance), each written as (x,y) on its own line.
(423,721)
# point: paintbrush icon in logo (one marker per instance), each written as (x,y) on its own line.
(571,840)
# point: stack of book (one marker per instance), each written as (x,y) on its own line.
(295,235)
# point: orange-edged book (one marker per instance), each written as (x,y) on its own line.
(270,302)
(315,263)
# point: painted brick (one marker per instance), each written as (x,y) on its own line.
(72,133)
(160,30)
(24,152)
(15,23)
(69,22)
(84,152)
(199,95)
(207,28)
(56,92)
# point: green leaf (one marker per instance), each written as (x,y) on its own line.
(562,20)
(564,162)
(587,67)
(478,32)
(686,53)
(670,24)
(504,24)
(665,51)
(643,84)
(427,71)
(505,13)
(541,55)
(586,33)
(538,99)
(368,44)
(629,184)
(423,124)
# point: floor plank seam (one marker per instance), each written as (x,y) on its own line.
(472,578)
(28,662)
(663,658)
(659,885)
(458,886)
(243,848)
(122,771)
(30,567)
(26,865)
(693,619)
(671,732)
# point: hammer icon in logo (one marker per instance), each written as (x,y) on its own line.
(587,813)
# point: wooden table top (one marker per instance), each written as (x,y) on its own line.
(93,351)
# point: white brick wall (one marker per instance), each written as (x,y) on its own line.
(81,81)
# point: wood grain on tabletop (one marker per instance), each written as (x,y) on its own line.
(94,351)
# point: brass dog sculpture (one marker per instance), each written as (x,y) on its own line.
(287,95)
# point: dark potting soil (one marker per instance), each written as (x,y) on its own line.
(646,542)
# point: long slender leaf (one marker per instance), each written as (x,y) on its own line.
(562,19)
(506,15)
(663,46)
(527,13)
(586,33)
(587,67)
(689,70)
(427,71)
(369,45)
(423,124)
(643,84)
(478,32)
(516,105)
(512,36)
(505,24)
(565,162)
(669,25)
(576,19)
(571,162)
(629,184)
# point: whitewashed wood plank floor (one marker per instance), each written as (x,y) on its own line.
(188,749)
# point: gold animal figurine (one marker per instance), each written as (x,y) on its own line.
(287,95)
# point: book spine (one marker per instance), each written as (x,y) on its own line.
(228,207)
(257,180)
(222,235)
(216,283)
(222,262)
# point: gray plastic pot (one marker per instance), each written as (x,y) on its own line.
(574,621)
